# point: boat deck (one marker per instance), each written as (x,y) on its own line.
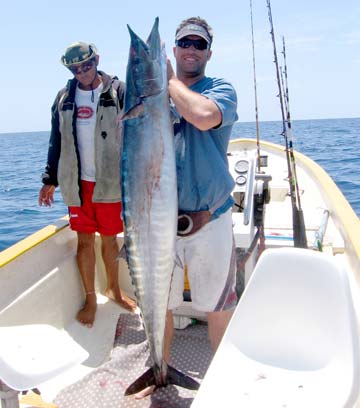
(102,379)
(105,385)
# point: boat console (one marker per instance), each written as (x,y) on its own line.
(251,193)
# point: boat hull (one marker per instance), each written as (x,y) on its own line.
(41,284)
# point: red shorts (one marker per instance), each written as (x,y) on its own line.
(104,218)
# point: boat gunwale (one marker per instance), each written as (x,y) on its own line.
(19,248)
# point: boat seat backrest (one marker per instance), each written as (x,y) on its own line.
(35,353)
(296,311)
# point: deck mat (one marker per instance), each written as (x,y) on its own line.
(104,387)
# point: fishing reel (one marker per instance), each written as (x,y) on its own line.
(252,191)
(261,197)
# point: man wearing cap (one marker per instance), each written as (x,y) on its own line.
(207,111)
(84,160)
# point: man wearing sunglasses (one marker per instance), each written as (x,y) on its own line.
(84,160)
(206,107)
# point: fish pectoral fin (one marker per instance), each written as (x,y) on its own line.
(122,254)
(134,112)
(176,377)
(145,380)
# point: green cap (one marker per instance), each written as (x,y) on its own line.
(78,53)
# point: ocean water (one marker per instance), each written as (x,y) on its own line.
(334,144)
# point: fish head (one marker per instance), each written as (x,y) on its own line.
(145,74)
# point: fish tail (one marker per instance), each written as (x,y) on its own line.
(145,380)
(176,377)
(173,376)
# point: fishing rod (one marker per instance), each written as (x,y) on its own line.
(289,126)
(255,90)
(261,199)
(299,232)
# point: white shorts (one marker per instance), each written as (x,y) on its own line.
(209,255)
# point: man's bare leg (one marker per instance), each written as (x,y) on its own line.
(169,335)
(86,264)
(217,324)
(110,251)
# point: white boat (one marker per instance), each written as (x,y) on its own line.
(42,346)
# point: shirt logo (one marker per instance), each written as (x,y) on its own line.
(85,112)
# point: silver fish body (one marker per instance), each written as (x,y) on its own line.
(149,192)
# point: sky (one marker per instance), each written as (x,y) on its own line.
(322,48)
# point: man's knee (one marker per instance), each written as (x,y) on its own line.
(85,241)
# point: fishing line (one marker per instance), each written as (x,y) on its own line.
(255,89)
(260,227)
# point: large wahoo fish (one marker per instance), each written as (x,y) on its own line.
(149,194)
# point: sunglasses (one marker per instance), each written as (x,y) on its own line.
(84,67)
(197,44)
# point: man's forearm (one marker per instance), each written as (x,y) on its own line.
(196,109)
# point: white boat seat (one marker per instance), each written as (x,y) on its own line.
(32,354)
(292,341)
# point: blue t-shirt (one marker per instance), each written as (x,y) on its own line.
(204,181)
